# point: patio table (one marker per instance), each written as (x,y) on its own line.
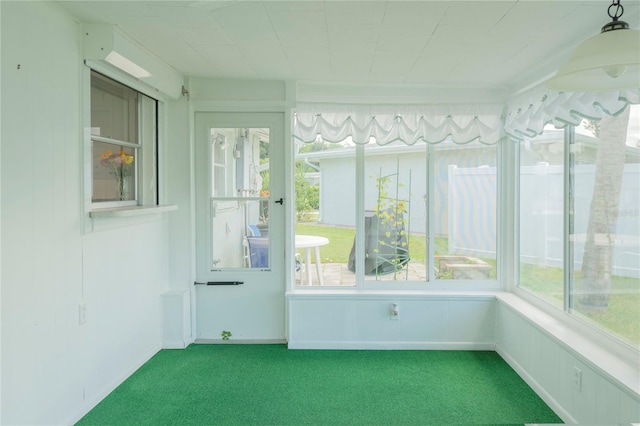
(308,242)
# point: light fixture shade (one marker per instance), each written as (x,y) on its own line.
(605,62)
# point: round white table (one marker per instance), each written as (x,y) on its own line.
(308,242)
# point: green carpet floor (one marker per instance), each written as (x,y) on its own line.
(271,385)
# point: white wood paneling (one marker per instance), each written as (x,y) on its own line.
(546,353)
(342,321)
(55,368)
(42,270)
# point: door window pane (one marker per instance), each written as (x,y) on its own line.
(239,194)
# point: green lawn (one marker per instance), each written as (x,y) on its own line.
(622,316)
(341,241)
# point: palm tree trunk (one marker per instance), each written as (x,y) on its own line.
(594,286)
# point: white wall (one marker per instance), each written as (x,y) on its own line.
(345,320)
(54,368)
(546,351)
(177,181)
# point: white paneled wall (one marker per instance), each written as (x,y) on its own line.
(55,368)
(177,181)
(548,355)
(348,321)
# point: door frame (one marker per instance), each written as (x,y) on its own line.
(221,299)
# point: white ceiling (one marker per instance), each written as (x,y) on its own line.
(487,44)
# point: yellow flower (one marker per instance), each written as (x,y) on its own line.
(106,154)
(128,159)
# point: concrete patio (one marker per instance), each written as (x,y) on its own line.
(338,274)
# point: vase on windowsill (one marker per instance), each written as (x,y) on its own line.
(120,166)
(123,188)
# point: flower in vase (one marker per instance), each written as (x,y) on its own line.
(120,166)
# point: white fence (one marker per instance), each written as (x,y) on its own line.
(472,215)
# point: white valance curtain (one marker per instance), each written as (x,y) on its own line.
(527,114)
(524,116)
(398,123)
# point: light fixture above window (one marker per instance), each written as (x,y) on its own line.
(117,60)
(605,62)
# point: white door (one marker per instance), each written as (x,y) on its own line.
(240,226)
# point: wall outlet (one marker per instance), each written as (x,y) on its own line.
(577,379)
(82,313)
(394,312)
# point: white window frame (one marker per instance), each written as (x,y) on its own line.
(593,331)
(431,283)
(146,161)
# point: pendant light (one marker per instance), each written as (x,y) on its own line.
(608,61)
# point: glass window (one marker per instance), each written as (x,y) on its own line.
(605,237)
(595,275)
(123,125)
(396,183)
(395,226)
(325,193)
(541,207)
(464,211)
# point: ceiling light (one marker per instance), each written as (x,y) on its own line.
(605,62)
(116,59)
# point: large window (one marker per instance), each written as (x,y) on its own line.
(587,177)
(423,213)
(123,144)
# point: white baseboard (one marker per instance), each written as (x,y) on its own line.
(360,345)
(239,341)
(174,344)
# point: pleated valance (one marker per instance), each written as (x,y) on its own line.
(523,116)
(527,114)
(385,124)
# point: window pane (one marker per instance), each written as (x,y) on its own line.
(325,213)
(221,150)
(606,237)
(239,198)
(114,109)
(114,172)
(464,206)
(541,215)
(395,212)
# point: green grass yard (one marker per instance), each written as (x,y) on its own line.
(622,317)
(341,241)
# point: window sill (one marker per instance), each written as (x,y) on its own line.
(131,211)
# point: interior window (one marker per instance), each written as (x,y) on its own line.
(123,132)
